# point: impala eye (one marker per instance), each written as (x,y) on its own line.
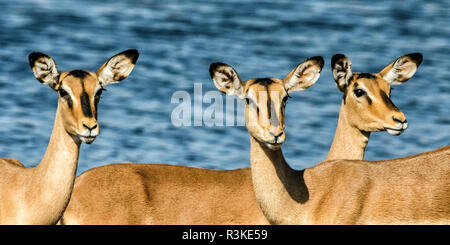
(63,93)
(247,101)
(359,92)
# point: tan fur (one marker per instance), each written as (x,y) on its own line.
(360,116)
(166,194)
(105,195)
(162,194)
(40,194)
(411,190)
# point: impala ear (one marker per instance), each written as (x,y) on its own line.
(402,69)
(226,79)
(304,75)
(44,69)
(341,67)
(117,67)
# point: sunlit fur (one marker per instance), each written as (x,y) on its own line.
(409,190)
(39,195)
(75,121)
(160,194)
(266,126)
(366,105)
(374,111)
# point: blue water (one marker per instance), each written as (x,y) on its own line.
(178,40)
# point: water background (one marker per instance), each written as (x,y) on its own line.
(178,40)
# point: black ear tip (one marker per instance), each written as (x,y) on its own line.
(416,57)
(320,61)
(213,67)
(132,54)
(336,58)
(35,56)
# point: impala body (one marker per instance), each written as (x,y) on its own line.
(182,195)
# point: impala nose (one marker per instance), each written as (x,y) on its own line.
(277,139)
(91,127)
(276,136)
(402,121)
(399,120)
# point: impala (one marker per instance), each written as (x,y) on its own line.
(410,190)
(202,196)
(366,105)
(40,194)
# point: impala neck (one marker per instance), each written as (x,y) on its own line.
(279,189)
(349,142)
(53,178)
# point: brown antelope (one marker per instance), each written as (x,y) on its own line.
(166,194)
(40,194)
(410,190)
(366,105)
(86,208)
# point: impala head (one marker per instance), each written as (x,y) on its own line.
(79,91)
(366,100)
(266,97)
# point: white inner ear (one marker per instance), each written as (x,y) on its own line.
(303,78)
(399,73)
(115,70)
(46,71)
(311,74)
(407,70)
(342,74)
(121,67)
(229,85)
(106,76)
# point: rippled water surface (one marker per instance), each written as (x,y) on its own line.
(178,40)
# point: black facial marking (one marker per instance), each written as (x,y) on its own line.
(263,81)
(266,83)
(64,95)
(69,102)
(97,100)
(78,73)
(365,75)
(388,101)
(273,120)
(96,109)
(369,100)
(85,105)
